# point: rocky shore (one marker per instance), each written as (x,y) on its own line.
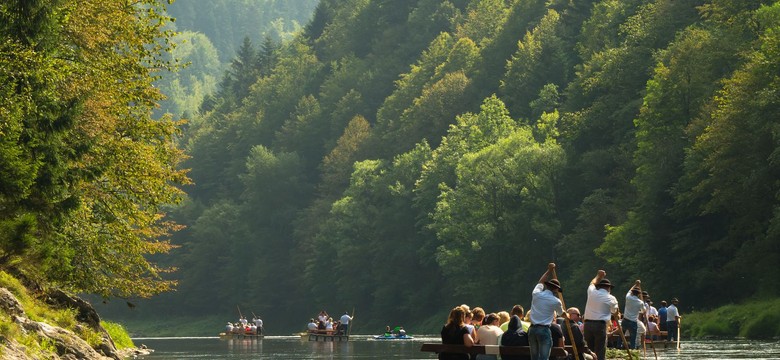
(64,343)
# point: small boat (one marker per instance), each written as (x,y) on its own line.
(223,335)
(393,337)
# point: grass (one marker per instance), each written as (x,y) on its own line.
(759,319)
(118,334)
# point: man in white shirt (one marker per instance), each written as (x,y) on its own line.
(599,308)
(259,324)
(544,305)
(312,326)
(634,307)
(345,319)
(672,318)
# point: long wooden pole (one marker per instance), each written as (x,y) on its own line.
(351,322)
(239,311)
(567,321)
(647,321)
(679,323)
(625,342)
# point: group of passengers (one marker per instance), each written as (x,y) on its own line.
(324,324)
(544,325)
(244,327)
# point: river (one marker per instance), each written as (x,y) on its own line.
(365,347)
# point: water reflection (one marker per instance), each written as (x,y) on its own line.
(365,347)
(719,349)
(244,346)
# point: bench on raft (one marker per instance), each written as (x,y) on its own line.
(491,349)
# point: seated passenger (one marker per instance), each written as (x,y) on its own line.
(456,333)
(312,326)
(514,336)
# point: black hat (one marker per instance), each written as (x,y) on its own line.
(604,283)
(674,300)
(554,283)
(635,291)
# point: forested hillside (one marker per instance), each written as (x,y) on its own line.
(404,156)
(207,36)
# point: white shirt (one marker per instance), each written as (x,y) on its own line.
(543,305)
(633,307)
(672,313)
(488,334)
(258,323)
(653,311)
(600,305)
(312,326)
(345,319)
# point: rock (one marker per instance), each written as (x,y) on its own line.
(68,344)
(9,304)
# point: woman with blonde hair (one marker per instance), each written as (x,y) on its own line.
(456,333)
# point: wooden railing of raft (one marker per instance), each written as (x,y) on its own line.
(490,349)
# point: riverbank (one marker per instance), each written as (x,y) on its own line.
(758,319)
(50,324)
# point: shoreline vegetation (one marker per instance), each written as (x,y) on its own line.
(757,319)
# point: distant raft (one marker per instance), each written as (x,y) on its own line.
(223,335)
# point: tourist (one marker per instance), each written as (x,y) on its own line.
(312,326)
(653,330)
(641,329)
(467,323)
(599,308)
(503,319)
(519,311)
(477,316)
(488,334)
(576,331)
(662,316)
(633,307)
(323,316)
(672,318)
(544,304)
(514,336)
(456,333)
(229,328)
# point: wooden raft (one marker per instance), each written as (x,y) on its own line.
(490,349)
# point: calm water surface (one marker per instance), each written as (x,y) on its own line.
(365,347)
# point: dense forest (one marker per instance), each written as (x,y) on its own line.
(399,157)
(207,34)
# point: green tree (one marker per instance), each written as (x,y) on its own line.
(540,59)
(501,210)
(103,168)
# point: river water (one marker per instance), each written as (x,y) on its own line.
(365,347)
